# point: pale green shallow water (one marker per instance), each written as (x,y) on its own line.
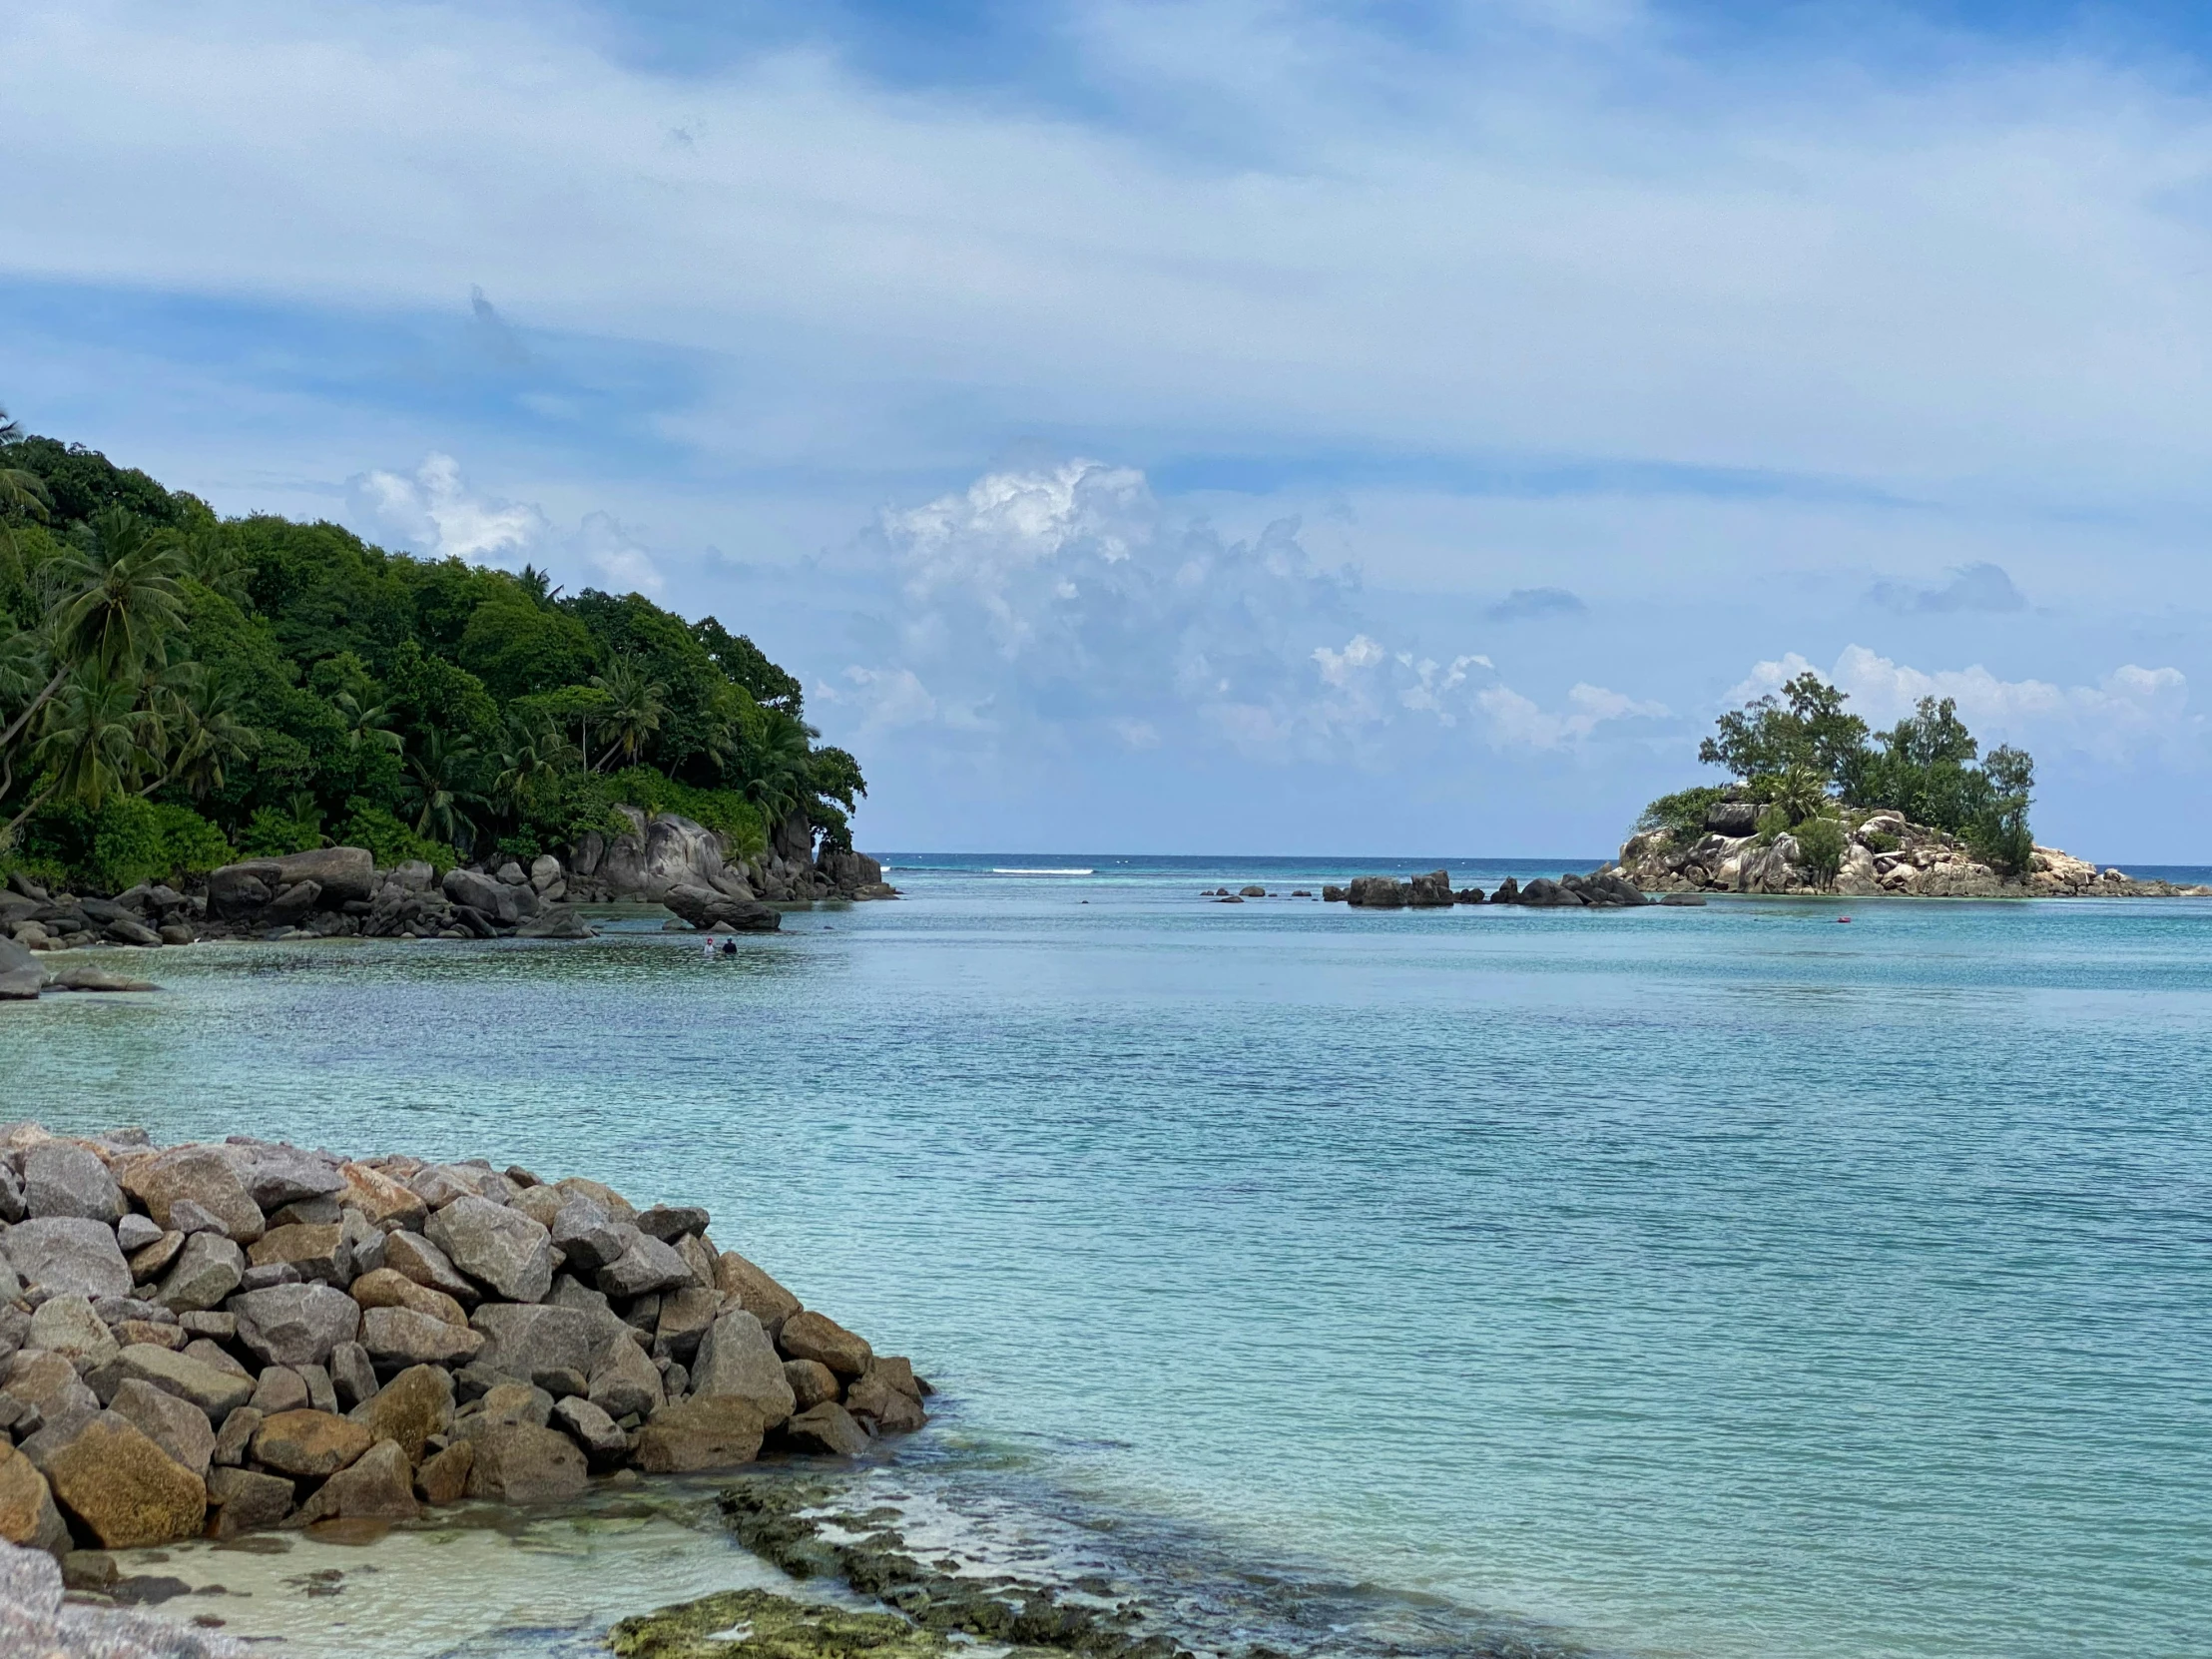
(1717,1282)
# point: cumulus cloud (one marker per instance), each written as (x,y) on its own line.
(437,512)
(1975,587)
(2130,710)
(1524,603)
(1060,601)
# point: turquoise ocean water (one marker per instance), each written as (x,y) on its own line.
(1678,1282)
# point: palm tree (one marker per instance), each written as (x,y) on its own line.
(530,756)
(440,784)
(635,704)
(93,745)
(372,726)
(122,596)
(777,769)
(207,735)
(218,566)
(22,495)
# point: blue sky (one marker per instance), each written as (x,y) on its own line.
(1241,426)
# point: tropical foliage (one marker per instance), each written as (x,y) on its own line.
(177,689)
(1803,756)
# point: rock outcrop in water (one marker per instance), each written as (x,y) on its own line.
(226,1338)
(1883,855)
(1606,889)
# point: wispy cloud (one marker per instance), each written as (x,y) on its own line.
(1975,587)
(434,511)
(1524,603)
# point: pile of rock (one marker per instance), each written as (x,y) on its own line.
(1605,889)
(147,915)
(1883,855)
(669,859)
(222,1337)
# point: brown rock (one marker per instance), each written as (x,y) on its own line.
(625,1383)
(540,1203)
(738,1358)
(408,1409)
(828,1429)
(899,1371)
(878,1404)
(130,1332)
(199,1174)
(617,1207)
(309,1444)
(521,1462)
(604,1445)
(376,1486)
(756,1293)
(811,1335)
(686,1316)
(390,1288)
(319,1252)
(403,1336)
(148,1263)
(717,1432)
(811,1382)
(444,1478)
(123,1488)
(246,1500)
(27,1513)
(280,1388)
(379,1197)
(416,1257)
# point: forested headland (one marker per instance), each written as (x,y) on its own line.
(179,689)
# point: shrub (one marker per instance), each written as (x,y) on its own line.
(271,834)
(129,841)
(1821,840)
(1881,840)
(1773,820)
(724,812)
(391,843)
(1682,814)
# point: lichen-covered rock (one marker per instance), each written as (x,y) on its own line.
(123,1488)
(295,1324)
(531,1340)
(522,1463)
(309,1444)
(408,1409)
(68,1254)
(775,1627)
(66,1325)
(585,1234)
(444,1478)
(811,1335)
(27,1513)
(390,1288)
(378,1485)
(717,1432)
(198,1174)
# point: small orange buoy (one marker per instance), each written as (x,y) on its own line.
(1842,918)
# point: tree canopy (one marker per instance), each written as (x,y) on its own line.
(1801,752)
(177,689)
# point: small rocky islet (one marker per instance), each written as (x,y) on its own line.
(215,1339)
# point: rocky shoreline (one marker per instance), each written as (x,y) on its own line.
(1883,856)
(217,1338)
(1605,889)
(339,893)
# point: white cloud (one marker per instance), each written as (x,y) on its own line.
(438,514)
(2131,708)
(1517,722)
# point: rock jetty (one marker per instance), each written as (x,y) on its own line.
(1606,889)
(338,891)
(222,1338)
(1883,855)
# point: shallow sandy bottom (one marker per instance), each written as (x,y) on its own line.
(524,1587)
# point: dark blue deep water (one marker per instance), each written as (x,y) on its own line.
(1704,1282)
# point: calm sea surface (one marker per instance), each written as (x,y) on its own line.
(1683,1282)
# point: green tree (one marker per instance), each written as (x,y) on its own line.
(1822,842)
(441,785)
(635,705)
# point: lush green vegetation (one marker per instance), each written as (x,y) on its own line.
(1807,759)
(179,689)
